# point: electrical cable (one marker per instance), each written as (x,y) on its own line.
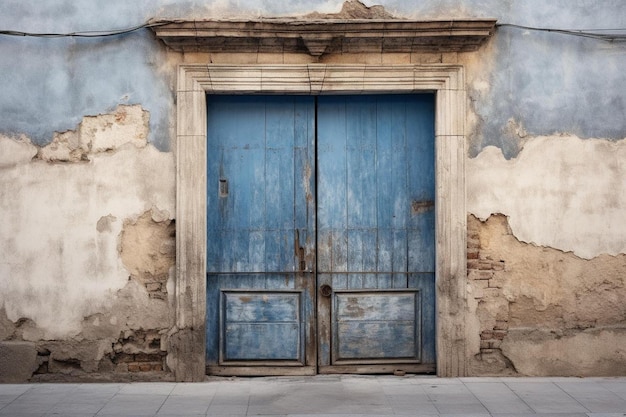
(599,34)
(88,34)
(607,35)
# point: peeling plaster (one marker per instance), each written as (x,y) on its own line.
(561,192)
(96,134)
(542,311)
(15,151)
(61,225)
(549,81)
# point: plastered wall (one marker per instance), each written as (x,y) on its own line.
(547,257)
(87,183)
(87,236)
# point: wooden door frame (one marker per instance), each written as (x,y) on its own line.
(186,340)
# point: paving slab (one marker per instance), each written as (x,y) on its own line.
(335,396)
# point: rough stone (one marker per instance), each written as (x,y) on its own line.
(354,9)
(18,361)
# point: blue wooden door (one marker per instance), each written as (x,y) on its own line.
(376,233)
(260,235)
(320,243)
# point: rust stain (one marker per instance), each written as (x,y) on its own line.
(423,206)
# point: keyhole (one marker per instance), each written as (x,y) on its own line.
(223,187)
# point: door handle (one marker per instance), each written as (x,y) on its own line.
(326,290)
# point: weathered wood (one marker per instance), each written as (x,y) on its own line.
(446,80)
(261,325)
(378,369)
(359,140)
(260,370)
(260,232)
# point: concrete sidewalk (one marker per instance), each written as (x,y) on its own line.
(324,395)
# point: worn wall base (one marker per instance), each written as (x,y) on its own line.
(18,360)
(541,311)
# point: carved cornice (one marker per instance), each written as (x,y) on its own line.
(324,36)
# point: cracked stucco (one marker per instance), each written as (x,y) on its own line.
(555,313)
(62,220)
(560,192)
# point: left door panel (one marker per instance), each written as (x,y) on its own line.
(260,235)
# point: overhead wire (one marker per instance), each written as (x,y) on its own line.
(89,33)
(606,35)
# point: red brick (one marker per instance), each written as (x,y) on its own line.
(133,367)
(145,367)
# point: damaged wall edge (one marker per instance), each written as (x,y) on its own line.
(527,298)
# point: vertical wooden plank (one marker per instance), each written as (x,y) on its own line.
(385,174)
(361,162)
(332,178)
(332,214)
(257,154)
(212,313)
(420,128)
(385,196)
(361,188)
(356,254)
(331,210)
(339,258)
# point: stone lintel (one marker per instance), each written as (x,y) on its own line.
(325,36)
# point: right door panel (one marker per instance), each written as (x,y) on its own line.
(376,233)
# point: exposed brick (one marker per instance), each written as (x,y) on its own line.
(473,243)
(145,357)
(479,293)
(472,255)
(475,274)
(499,335)
(472,264)
(486,335)
(498,266)
(492,292)
(501,325)
(145,367)
(480,283)
(485,265)
(134,367)
(494,283)
(123,358)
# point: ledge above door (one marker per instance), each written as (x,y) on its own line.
(324,36)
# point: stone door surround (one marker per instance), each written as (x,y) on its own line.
(319,37)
